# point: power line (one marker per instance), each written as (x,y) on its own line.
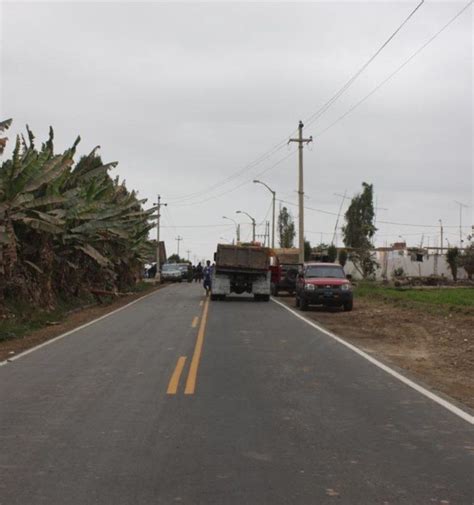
(340,118)
(382,222)
(231,190)
(314,117)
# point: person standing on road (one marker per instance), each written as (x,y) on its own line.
(207,272)
(199,272)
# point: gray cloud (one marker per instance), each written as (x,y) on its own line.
(185,94)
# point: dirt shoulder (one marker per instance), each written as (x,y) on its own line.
(436,348)
(13,347)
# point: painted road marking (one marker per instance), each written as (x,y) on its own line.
(174,381)
(195,322)
(193,369)
(201,303)
(440,401)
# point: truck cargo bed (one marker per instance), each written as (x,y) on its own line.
(241,258)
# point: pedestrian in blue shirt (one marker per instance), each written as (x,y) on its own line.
(207,273)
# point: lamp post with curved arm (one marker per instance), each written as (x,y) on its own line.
(252,219)
(237,227)
(273,208)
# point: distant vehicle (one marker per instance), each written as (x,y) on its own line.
(284,270)
(323,284)
(241,269)
(186,271)
(170,272)
(284,279)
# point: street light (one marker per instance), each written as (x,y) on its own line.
(256,181)
(253,222)
(237,227)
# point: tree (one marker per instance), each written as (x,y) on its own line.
(452,259)
(332,253)
(360,229)
(467,261)
(65,227)
(307,250)
(286,228)
(174,258)
(342,257)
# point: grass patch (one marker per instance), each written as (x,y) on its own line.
(23,318)
(441,298)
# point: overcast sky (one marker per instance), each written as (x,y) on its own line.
(186,95)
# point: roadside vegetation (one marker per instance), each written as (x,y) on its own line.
(443,298)
(67,229)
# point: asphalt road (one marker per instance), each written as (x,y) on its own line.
(264,409)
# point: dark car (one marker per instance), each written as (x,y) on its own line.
(323,284)
(283,278)
(186,271)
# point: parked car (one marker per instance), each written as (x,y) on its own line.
(171,273)
(186,271)
(323,284)
(284,278)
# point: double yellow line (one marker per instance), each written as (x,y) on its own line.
(190,387)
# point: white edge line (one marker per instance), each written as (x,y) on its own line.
(440,401)
(59,337)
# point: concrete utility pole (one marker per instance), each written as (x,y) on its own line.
(188,252)
(237,227)
(344,198)
(442,242)
(301,141)
(253,222)
(461,205)
(273,208)
(178,239)
(158,204)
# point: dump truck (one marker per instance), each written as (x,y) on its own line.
(241,269)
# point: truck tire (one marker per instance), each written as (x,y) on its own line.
(265,298)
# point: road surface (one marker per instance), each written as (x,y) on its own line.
(174,400)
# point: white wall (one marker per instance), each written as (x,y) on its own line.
(390,260)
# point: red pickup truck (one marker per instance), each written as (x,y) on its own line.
(323,284)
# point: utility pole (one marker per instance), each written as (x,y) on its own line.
(344,197)
(253,222)
(461,205)
(442,242)
(237,227)
(375,218)
(301,141)
(273,210)
(178,239)
(188,252)
(158,205)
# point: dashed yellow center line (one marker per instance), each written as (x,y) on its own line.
(174,381)
(193,369)
(195,322)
